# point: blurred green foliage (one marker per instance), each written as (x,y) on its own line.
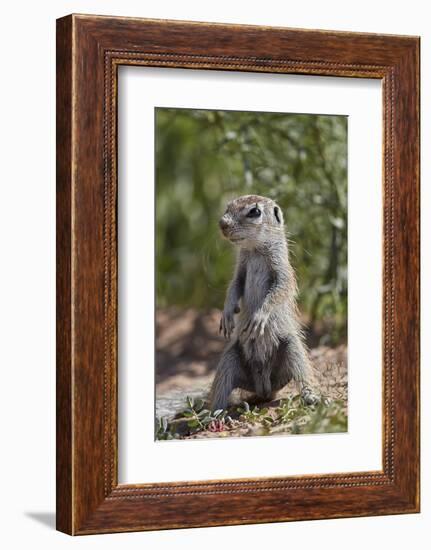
(205,158)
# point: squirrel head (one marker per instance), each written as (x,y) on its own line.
(251,221)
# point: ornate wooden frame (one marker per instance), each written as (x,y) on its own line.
(89,51)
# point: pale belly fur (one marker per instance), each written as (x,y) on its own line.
(256,287)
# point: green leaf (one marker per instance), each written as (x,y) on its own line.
(190,402)
(198,405)
(193,423)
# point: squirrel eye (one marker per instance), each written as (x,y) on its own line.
(254,213)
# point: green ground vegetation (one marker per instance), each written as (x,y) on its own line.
(288,416)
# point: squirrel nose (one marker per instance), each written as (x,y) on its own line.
(223,223)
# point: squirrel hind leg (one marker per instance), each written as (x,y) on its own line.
(228,376)
(293,363)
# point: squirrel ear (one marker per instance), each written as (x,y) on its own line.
(277,214)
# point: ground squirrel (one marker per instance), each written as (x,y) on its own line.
(260,318)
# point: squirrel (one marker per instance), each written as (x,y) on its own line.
(266,348)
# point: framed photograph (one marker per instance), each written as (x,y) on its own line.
(237,274)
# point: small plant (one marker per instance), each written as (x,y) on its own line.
(254,415)
(217,426)
(196,418)
(327,419)
(163,429)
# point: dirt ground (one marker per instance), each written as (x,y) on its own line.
(188,348)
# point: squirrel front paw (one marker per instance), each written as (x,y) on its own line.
(309,397)
(256,326)
(227,322)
